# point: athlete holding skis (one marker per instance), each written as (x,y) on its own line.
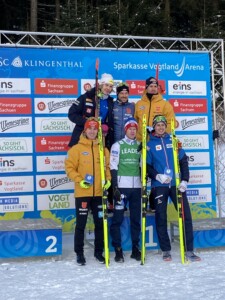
(126,182)
(85,107)
(82,165)
(160,168)
(151,104)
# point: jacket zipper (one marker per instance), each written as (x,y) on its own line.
(150,104)
(122,119)
(166,156)
(167,162)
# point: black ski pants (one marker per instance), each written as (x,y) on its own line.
(161,195)
(133,196)
(83,204)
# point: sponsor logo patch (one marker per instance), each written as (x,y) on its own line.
(84,204)
(85,153)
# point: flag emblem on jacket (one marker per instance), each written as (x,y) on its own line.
(84,204)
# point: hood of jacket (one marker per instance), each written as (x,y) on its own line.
(85,141)
(155,137)
(155,98)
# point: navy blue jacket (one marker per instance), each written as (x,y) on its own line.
(160,156)
(121,112)
(83,108)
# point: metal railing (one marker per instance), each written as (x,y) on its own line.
(215,48)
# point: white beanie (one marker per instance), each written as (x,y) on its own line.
(106,78)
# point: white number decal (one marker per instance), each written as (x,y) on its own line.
(51,248)
(150,237)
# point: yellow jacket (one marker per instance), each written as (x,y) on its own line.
(156,106)
(82,159)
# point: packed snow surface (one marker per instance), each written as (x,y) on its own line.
(51,278)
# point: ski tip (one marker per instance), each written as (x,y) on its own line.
(97,63)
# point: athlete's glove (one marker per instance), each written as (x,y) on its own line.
(107,185)
(139,147)
(116,194)
(84,184)
(149,129)
(182,186)
(105,129)
(162,178)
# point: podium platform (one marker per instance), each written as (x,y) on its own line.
(151,241)
(208,233)
(30,237)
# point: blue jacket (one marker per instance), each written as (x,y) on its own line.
(160,157)
(121,112)
(83,108)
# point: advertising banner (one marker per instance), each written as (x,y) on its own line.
(37,88)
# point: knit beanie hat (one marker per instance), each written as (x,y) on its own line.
(122,87)
(158,119)
(91,122)
(131,122)
(106,79)
(151,80)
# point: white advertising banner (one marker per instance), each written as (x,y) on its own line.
(14,164)
(17,204)
(16,184)
(55,201)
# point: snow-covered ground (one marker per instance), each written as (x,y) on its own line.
(63,279)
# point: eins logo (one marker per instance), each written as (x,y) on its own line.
(182,86)
(6,85)
(6,162)
(190,158)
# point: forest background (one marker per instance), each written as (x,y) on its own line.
(159,18)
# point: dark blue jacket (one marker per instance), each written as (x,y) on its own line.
(121,112)
(83,108)
(160,156)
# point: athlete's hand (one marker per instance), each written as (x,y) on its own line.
(162,178)
(105,129)
(84,184)
(183,186)
(139,147)
(116,194)
(107,185)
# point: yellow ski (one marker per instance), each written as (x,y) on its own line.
(144,190)
(104,195)
(178,193)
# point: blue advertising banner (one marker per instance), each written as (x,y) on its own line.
(37,87)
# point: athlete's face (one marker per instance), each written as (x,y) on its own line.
(106,88)
(152,89)
(123,96)
(91,133)
(131,132)
(160,128)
